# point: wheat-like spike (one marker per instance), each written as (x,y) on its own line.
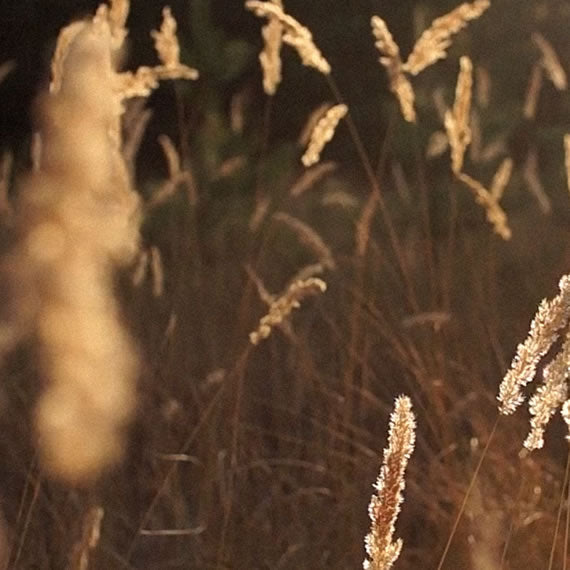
(322,133)
(282,307)
(270,56)
(385,504)
(457,120)
(390,59)
(550,318)
(550,62)
(549,396)
(495,214)
(433,43)
(294,34)
(567,158)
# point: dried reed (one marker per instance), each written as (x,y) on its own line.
(385,504)
(550,318)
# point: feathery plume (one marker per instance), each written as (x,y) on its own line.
(457,120)
(390,59)
(282,307)
(322,133)
(550,62)
(550,318)
(78,221)
(549,396)
(385,504)
(433,43)
(294,34)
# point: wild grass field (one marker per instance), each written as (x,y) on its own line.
(274,300)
